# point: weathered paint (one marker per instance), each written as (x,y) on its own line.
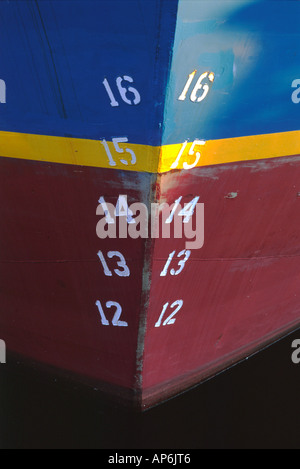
(80,83)
(151,159)
(51,276)
(241,290)
(250,46)
(230,150)
(75,151)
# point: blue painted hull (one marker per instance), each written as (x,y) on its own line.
(54,58)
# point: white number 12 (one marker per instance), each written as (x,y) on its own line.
(170,319)
(116,318)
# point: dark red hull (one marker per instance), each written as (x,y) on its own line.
(240,290)
(51,276)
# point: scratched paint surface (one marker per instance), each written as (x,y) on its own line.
(100,83)
(51,275)
(251,47)
(241,289)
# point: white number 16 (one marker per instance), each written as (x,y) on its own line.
(123,91)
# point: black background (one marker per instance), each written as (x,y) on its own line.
(252,405)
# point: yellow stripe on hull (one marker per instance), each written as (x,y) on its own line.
(149,159)
(257,147)
(76,151)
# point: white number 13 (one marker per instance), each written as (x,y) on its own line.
(181,263)
(124,269)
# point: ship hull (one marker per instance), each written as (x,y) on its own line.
(84,125)
(228,285)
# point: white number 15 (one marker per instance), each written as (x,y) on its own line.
(191,153)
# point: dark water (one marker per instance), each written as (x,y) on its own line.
(253,405)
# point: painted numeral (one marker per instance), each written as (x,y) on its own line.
(171,318)
(132,99)
(116,318)
(205,87)
(181,263)
(191,153)
(123,270)
(175,207)
(116,142)
(187,212)
(113,101)
(118,149)
(191,77)
(124,91)
(121,210)
(108,217)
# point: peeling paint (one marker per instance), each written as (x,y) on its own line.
(231,195)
